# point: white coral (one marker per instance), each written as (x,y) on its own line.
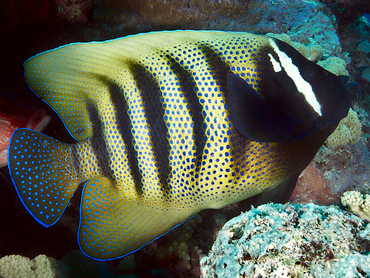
(357,203)
(366,205)
(352,199)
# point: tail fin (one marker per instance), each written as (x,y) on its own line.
(42,173)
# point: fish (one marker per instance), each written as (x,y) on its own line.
(15,113)
(168,124)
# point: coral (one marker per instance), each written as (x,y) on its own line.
(301,48)
(347,132)
(357,203)
(335,65)
(15,266)
(283,37)
(316,52)
(73,264)
(277,240)
(313,51)
(178,252)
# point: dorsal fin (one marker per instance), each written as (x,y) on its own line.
(70,76)
(69,83)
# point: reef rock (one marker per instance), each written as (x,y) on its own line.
(347,11)
(277,240)
(313,187)
(306,21)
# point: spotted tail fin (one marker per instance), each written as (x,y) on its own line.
(42,173)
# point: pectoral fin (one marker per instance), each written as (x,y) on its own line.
(254,117)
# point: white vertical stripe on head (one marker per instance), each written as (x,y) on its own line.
(293,72)
(275,64)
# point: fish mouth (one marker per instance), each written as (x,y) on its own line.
(39,120)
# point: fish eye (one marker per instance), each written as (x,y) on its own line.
(4,109)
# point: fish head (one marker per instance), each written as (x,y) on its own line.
(295,97)
(15,113)
(326,97)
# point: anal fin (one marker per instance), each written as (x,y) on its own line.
(112,226)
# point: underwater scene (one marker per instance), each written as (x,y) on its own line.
(184,138)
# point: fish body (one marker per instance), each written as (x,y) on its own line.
(169,124)
(15,113)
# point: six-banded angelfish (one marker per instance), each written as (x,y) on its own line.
(169,124)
